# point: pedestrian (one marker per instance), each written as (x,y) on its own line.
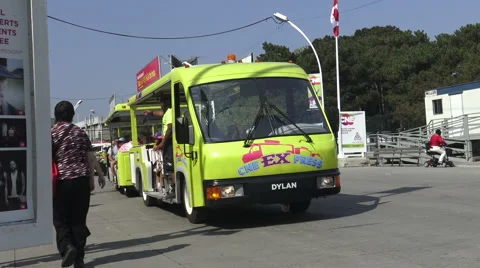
(112,158)
(104,160)
(72,151)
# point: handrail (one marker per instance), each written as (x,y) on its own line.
(401,140)
(460,117)
(458,130)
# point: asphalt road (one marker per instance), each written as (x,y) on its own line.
(384,217)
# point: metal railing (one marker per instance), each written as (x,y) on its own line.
(458,132)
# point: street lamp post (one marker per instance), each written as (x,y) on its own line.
(101,130)
(76,107)
(284,18)
(92,130)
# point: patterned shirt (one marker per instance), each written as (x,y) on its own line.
(71,155)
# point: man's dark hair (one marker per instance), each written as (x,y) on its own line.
(64,111)
(438,131)
(166,100)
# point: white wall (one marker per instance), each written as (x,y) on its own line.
(93,128)
(471,101)
(470,105)
(429,107)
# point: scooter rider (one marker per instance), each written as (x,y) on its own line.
(436,143)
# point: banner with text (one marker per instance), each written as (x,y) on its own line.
(149,74)
(317,86)
(354,132)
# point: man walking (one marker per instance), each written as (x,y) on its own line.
(73,153)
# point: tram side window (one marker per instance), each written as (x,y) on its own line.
(146,127)
(181,107)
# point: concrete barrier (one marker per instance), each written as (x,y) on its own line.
(354,162)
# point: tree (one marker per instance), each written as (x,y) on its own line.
(385,71)
(276,53)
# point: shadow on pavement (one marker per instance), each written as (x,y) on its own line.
(116,245)
(133,255)
(401,190)
(341,205)
(106,191)
(203,230)
(333,207)
(222,221)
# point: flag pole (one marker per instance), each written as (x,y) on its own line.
(340,147)
(334,19)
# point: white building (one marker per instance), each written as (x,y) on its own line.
(452,101)
(95,128)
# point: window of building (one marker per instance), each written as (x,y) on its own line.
(437,106)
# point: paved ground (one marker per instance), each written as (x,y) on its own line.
(385,217)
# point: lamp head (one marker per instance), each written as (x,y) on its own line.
(281,17)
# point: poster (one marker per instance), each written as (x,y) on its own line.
(354,132)
(15,184)
(13,133)
(25,142)
(317,86)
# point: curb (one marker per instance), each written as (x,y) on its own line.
(468,166)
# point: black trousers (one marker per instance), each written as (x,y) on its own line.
(70,209)
(104,168)
(167,153)
(14,203)
(3,204)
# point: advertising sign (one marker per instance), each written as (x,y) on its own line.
(148,74)
(317,86)
(431,93)
(175,62)
(112,102)
(248,58)
(354,132)
(25,188)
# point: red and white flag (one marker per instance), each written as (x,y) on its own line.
(334,18)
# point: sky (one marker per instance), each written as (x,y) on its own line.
(92,66)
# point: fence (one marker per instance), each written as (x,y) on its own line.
(459,133)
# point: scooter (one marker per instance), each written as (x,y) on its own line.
(433,161)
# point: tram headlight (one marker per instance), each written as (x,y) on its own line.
(224,191)
(325,182)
